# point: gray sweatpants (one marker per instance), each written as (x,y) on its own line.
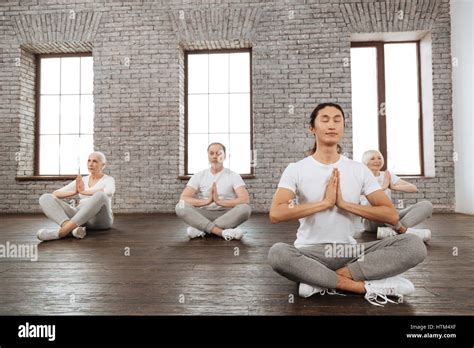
(409,217)
(381,259)
(205,220)
(95,213)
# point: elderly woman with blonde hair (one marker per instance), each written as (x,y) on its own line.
(94,210)
(409,216)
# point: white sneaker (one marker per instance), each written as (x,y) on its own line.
(232,233)
(423,233)
(79,232)
(47,234)
(378,290)
(194,232)
(385,232)
(306,291)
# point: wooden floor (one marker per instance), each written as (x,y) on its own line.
(166,274)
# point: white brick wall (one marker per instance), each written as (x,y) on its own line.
(298,53)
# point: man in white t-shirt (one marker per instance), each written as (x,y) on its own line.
(215,200)
(325,255)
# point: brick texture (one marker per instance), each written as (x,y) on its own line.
(298,47)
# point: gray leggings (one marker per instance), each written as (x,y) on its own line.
(205,220)
(381,259)
(409,217)
(94,213)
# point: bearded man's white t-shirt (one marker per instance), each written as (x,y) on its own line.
(308,179)
(227,181)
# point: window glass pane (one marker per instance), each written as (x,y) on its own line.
(49,154)
(198,73)
(86,147)
(240,153)
(87,75)
(197,152)
(50,68)
(49,114)
(70,75)
(364,100)
(240,113)
(198,114)
(87,114)
(218,113)
(219,73)
(402,108)
(69,154)
(69,114)
(239,66)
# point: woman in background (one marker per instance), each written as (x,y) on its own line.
(410,216)
(94,210)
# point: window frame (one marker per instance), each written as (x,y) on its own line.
(186,95)
(381,99)
(36,162)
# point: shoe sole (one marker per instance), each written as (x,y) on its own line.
(81,234)
(38,234)
(427,241)
(305,295)
(379,236)
(194,237)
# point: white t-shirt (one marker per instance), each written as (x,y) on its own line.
(106,182)
(308,179)
(226,182)
(393,179)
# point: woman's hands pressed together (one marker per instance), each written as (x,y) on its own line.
(79,184)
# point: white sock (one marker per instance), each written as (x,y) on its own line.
(48,234)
